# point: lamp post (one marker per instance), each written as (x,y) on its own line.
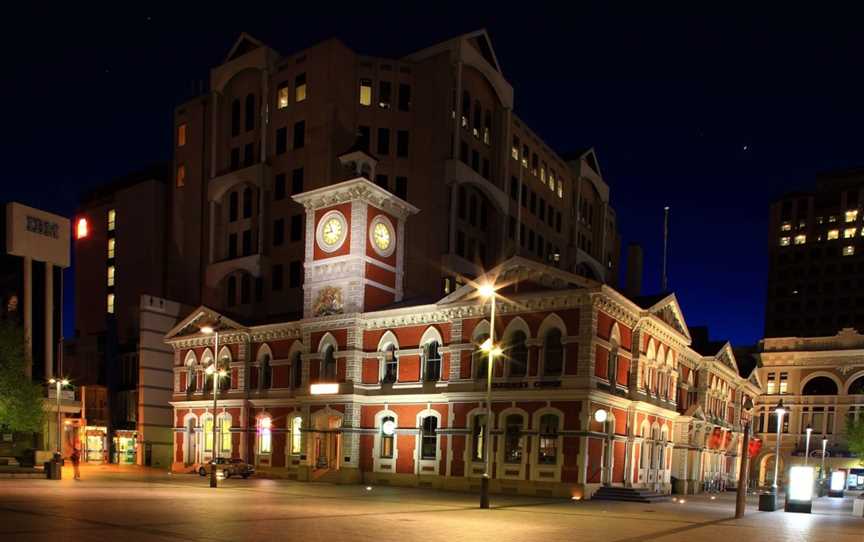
(779,410)
(744,470)
(487,291)
(824,446)
(216,374)
(59,383)
(807,445)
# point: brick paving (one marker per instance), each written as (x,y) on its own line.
(131,504)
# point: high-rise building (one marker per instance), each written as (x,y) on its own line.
(441,124)
(816,268)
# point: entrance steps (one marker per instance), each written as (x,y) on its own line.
(628,494)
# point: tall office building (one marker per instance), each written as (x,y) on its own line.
(441,124)
(816,268)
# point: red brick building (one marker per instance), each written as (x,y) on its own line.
(371,387)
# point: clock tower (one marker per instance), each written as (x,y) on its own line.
(355,246)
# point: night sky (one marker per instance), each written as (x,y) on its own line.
(713,114)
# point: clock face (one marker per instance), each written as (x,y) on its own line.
(332,231)
(382,235)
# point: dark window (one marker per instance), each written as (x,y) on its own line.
(472,210)
(404,97)
(259,289)
(463,152)
(542,209)
(299,134)
(277,278)
(513,439)
(235,117)
(478,116)
(328,365)
(266,372)
(553,353)
(297,181)
(540,246)
(297,370)
(248,155)
(231,292)
(462,202)
(484,211)
(460,244)
(383,141)
(558,221)
(485,170)
(250,112)
(297,227)
(382,181)
(517,354)
(247,202)
(466,107)
(514,188)
(247,242)
(364,137)
(402,187)
(532,206)
(385,91)
(235,158)
(391,365)
(475,160)
(232,245)
(524,195)
(402,143)
(511,229)
(295,274)
(429,444)
(245,290)
(278,232)
(281,140)
(531,240)
(233,206)
(279,190)
(433,361)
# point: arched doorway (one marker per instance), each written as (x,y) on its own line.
(327,439)
(766,470)
(190,443)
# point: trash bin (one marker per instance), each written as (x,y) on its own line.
(53,470)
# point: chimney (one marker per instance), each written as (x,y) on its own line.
(634,270)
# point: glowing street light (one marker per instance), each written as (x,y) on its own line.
(217,374)
(807,445)
(487,291)
(779,410)
(59,383)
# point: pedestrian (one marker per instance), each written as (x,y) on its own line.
(76,459)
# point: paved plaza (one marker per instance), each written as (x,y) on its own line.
(131,504)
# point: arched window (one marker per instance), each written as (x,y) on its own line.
(208,433)
(613,366)
(821,385)
(553,353)
(247,202)
(857,387)
(513,439)
(391,365)
(224,365)
(548,446)
(479,358)
(478,441)
(328,365)
(432,361)
(235,117)
(388,428)
(233,206)
(487,128)
(225,436)
(264,435)
(231,291)
(429,438)
(296,370)
(296,434)
(250,112)
(266,380)
(517,354)
(191,377)
(245,289)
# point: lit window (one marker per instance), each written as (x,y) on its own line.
(181,176)
(514,150)
(300,88)
(208,434)
(848,250)
(547,450)
(110,275)
(282,96)
(543,172)
(833,234)
(478,448)
(110,304)
(181,135)
(560,188)
(296,434)
(852,216)
(784,382)
(800,239)
(111,246)
(848,233)
(551,180)
(832,218)
(772,384)
(264,436)
(81,229)
(225,441)
(802,225)
(365,92)
(820,219)
(112,219)
(786,226)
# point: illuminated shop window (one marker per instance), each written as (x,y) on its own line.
(208,435)
(833,234)
(181,135)
(800,239)
(784,241)
(282,94)
(110,304)
(264,436)
(225,434)
(110,275)
(852,216)
(786,226)
(849,250)
(848,233)
(366,92)
(112,219)
(296,434)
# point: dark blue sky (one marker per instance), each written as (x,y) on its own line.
(714,114)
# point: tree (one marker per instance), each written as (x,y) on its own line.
(855,437)
(21,400)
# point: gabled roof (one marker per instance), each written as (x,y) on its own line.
(479,39)
(665,307)
(191,325)
(518,270)
(243,45)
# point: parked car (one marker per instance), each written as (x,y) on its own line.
(228,467)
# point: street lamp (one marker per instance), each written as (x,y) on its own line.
(807,445)
(824,446)
(780,410)
(59,383)
(216,374)
(487,291)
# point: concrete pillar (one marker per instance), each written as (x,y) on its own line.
(28,311)
(49,321)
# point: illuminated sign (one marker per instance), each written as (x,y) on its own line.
(324,389)
(838,480)
(801,483)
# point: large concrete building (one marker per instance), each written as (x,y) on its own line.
(442,126)
(371,386)
(816,267)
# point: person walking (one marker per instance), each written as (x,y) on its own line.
(76,459)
